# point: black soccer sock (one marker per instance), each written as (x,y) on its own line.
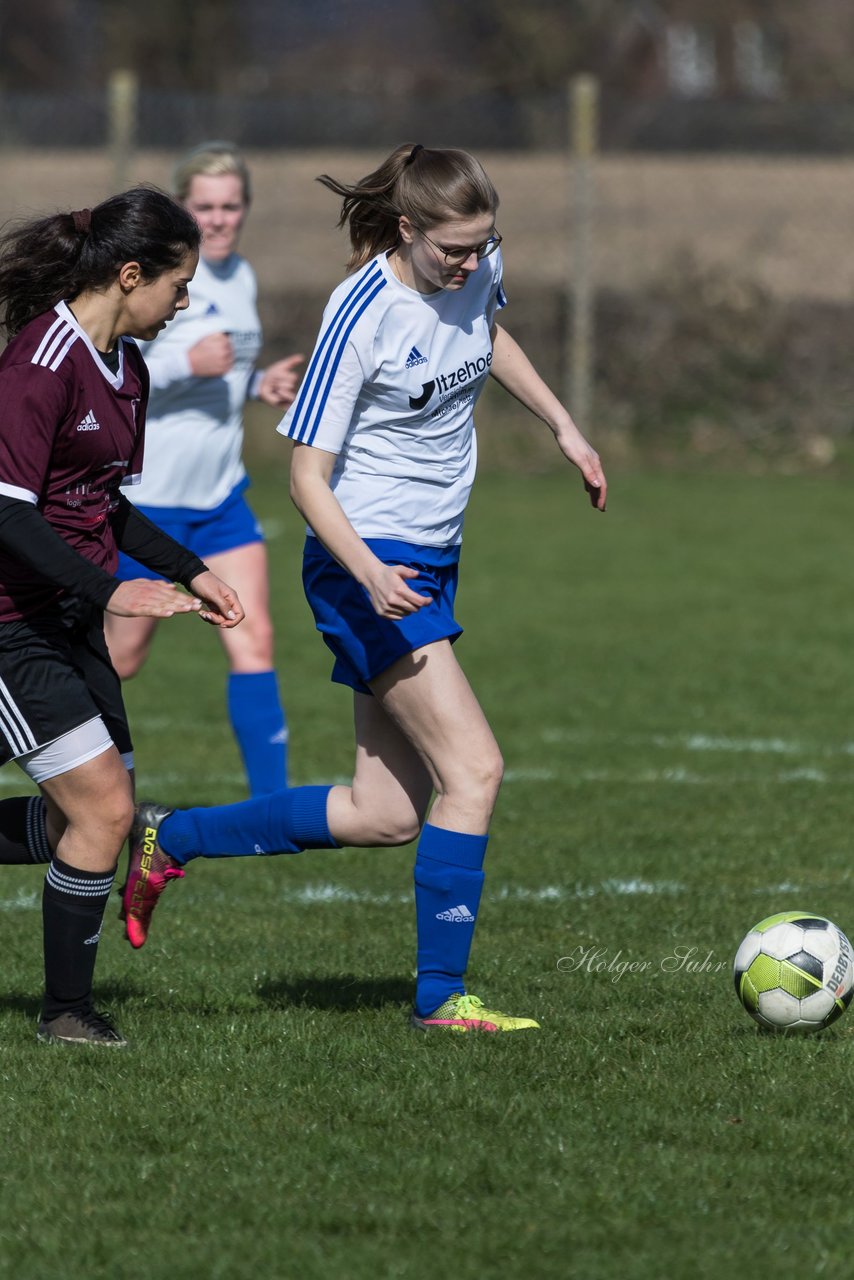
(72,909)
(23,831)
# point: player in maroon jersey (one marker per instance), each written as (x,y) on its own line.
(75,288)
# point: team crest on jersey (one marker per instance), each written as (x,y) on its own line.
(415,358)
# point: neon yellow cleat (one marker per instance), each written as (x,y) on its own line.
(466,1013)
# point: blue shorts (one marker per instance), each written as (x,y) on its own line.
(364,644)
(231,524)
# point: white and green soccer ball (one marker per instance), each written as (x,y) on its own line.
(794,972)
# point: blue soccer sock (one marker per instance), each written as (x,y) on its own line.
(287,821)
(261,730)
(448,884)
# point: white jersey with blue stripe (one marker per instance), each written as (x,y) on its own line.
(194,431)
(391,388)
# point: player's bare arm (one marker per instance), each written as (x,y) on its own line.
(512,369)
(311,472)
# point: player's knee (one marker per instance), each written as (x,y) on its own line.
(480,776)
(117,812)
(126,670)
(250,650)
(403,831)
(494,771)
(128,661)
(395,825)
(102,828)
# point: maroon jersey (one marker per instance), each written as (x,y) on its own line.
(71,432)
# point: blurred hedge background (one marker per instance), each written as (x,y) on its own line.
(717,260)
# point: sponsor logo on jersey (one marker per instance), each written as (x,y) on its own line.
(415,358)
(418,402)
(445,383)
(89,423)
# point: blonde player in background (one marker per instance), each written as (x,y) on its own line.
(202,372)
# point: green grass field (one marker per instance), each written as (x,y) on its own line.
(671,685)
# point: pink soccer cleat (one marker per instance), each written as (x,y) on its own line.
(149,872)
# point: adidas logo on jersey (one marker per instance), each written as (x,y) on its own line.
(415,358)
(457,915)
(89,423)
(213,309)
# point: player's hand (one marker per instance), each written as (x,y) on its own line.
(150,598)
(212,356)
(279,382)
(218,602)
(574,447)
(389,593)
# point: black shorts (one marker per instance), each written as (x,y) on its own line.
(55,675)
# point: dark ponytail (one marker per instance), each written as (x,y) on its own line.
(426,184)
(58,257)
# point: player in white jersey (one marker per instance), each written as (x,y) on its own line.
(202,371)
(382,471)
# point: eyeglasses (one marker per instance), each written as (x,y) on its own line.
(456,256)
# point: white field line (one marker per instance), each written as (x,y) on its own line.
(682,741)
(24,900)
(327,893)
(722,743)
(689,777)
(157,785)
(11,779)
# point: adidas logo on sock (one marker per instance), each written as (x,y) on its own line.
(89,423)
(457,915)
(415,358)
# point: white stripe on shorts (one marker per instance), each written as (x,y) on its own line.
(18,733)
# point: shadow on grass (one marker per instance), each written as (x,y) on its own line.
(343,992)
(109,996)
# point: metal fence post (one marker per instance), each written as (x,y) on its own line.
(583,95)
(122,97)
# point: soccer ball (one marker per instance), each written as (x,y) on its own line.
(794,972)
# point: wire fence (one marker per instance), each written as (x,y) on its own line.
(487,118)
(716,284)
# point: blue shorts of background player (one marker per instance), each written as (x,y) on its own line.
(363,643)
(232,524)
(252,694)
